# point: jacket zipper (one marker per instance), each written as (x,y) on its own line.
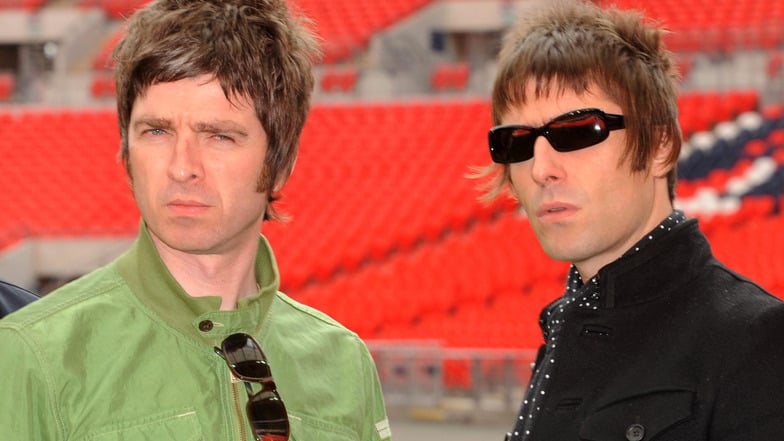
(238,408)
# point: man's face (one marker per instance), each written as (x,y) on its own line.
(195,162)
(585,206)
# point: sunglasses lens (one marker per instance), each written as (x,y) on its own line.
(268,417)
(577,133)
(246,358)
(569,132)
(511,144)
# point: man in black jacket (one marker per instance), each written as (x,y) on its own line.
(13,297)
(653,339)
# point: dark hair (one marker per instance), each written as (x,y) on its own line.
(254,48)
(574,45)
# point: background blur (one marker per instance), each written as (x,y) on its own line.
(387,234)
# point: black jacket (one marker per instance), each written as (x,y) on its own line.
(13,297)
(680,349)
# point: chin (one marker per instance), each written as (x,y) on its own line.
(561,252)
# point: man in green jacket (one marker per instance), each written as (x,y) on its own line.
(186,336)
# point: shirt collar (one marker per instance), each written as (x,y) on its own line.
(155,287)
(587,294)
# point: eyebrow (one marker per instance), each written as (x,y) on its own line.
(161,123)
(221,126)
(217,126)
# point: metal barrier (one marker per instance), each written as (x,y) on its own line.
(424,379)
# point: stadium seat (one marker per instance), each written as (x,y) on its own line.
(339,79)
(775,64)
(450,77)
(7,84)
(103,85)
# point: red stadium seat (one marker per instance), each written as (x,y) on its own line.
(447,77)
(339,79)
(775,64)
(7,84)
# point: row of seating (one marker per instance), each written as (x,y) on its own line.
(464,268)
(61,176)
(716,25)
(450,76)
(345,26)
(339,79)
(701,111)
(445,77)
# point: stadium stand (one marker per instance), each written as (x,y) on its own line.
(386,233)
(346,26)
(398,197)
(716,26)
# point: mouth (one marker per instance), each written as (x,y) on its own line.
(552,212)
(187,207)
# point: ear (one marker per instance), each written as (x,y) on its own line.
(662,162)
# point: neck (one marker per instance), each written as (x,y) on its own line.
(588,269)
(230,276)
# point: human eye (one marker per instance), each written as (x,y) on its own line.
(147,130)
(154,131)
(222,137)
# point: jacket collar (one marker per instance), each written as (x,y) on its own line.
(657,270)
(155,287)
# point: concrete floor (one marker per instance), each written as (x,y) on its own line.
(404,429)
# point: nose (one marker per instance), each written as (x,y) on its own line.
(185,164)
(545,165)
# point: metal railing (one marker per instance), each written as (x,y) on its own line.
(423,378)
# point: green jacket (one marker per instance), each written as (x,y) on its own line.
(124,353)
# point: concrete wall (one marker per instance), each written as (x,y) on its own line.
(32,260)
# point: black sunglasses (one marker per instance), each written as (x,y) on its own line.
(566,133)
(265,409)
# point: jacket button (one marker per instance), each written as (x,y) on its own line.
(635,432)
(205,325)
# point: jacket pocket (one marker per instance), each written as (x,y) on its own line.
(307,428)
(638,418)
(170,426)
